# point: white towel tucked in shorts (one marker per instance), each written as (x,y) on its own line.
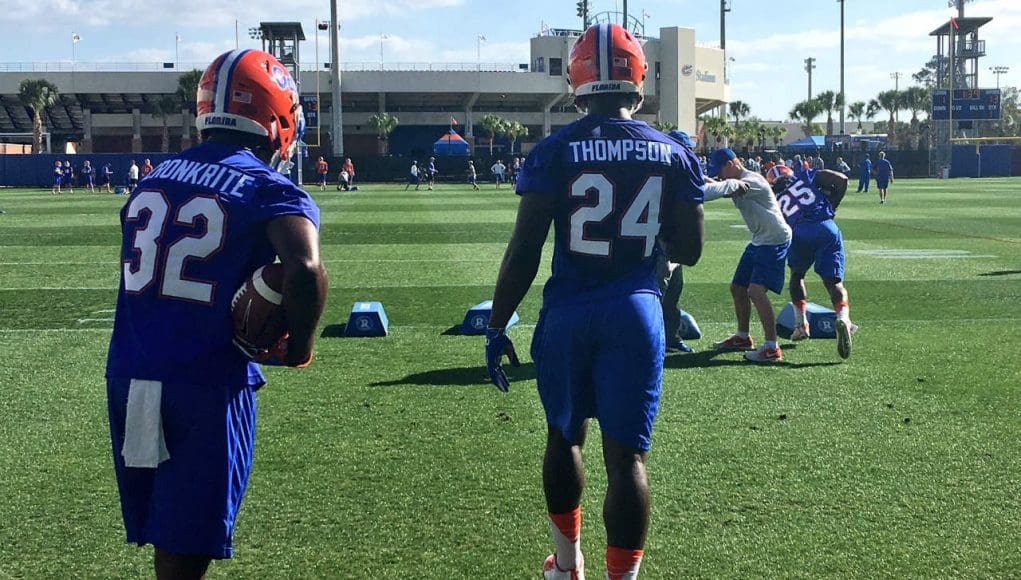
(144,445)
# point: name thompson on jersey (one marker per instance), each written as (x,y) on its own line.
(620,150)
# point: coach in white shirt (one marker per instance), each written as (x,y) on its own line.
(762,266)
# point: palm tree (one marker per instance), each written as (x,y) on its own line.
(37,94)
(187,91)
(856,111)
(739,109)
(749,132)
(163,107)
(715,126)
(805,112)
(828,100)
(916,99)
(513,130)
(777,132)
(891,102)
(494,125)
(384,124)
(663,126)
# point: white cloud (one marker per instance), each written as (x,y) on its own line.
(198,13)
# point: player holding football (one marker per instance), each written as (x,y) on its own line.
(809,203)
(612,187)
(181,396)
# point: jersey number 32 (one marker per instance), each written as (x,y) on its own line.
(168,258)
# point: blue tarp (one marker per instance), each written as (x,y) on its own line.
(814,142)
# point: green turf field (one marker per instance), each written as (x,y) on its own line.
(393,458)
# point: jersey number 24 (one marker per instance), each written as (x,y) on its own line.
(640,221)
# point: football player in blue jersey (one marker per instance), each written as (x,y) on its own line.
(181,396)
(808,201)
(58,177)
(884,175)
(613,188)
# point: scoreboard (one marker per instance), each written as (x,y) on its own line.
(969,104)
(310,106)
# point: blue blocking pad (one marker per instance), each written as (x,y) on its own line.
(477,318)
(367,319)
(822,321)
(689,328)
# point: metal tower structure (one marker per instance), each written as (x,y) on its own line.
(283,40)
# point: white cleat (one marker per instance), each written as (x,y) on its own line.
(550,571)
(801,332)
(765,355)
(845,330)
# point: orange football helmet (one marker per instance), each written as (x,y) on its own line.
(606,59)
(776,172)
(252,92)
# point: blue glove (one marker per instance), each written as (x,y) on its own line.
(497,345)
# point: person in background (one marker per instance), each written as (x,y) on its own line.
(133,175)
(843,167)
(798,164)
(107,177)
(498,170)
(146,168)
(89,176)
(58,177)
(69,176)
(349,167)
(864,174)
(430,173)
(473,177)
(762,266)
(884,175)
(817,163)
(671,277)
(343,181)
(413,178)
(322,172)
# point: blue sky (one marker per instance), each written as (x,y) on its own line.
(768,45)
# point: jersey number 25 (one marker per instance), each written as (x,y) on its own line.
(795,196)
(640,221)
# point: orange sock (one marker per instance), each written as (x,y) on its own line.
(622,564)
(800,308)
(566,529)
(843,309)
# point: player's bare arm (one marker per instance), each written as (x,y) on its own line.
(833,184)
(296,241)
(683,232)
(521,260)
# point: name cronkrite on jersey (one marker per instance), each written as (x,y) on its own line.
(621,150)
(212,175)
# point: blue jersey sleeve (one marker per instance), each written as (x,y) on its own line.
(688,183)
(539,173)
(280,198)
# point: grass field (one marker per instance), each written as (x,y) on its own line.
(392,458)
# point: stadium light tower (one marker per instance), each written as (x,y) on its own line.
(724,8)
(583,13)
(336,111)
(809,67)
(843,98)
(999,70)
